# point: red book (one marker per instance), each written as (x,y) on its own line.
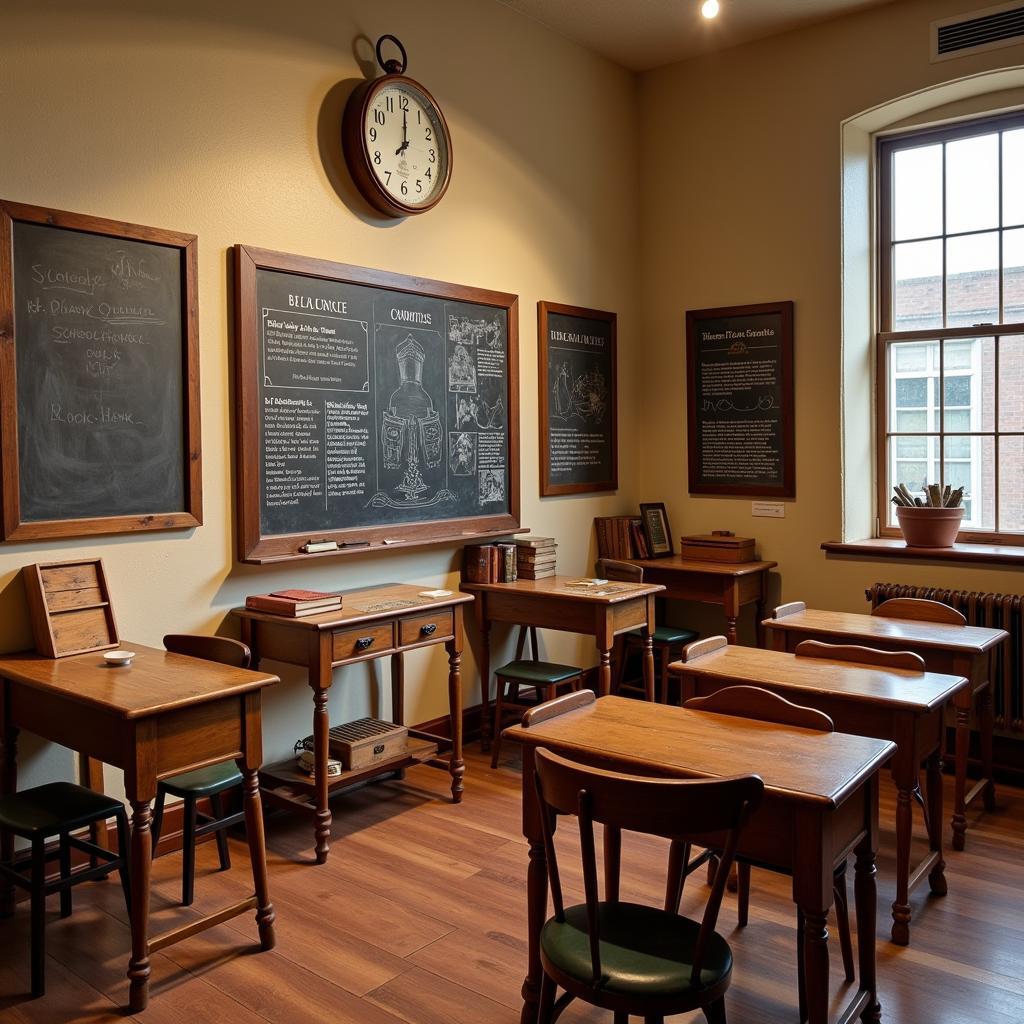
(292,609)
(304,596)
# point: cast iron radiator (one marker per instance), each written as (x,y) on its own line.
(1000,611)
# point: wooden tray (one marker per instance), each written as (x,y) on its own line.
(69,604)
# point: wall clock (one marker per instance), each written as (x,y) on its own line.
(396,141)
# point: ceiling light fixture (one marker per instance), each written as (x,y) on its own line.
(710,8)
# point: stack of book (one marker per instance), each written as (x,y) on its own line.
(535,557)
(489,563)
(621,537)
(294,604)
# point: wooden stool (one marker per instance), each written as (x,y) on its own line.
(668,641)
(58,809)
(209,782)
(545,677)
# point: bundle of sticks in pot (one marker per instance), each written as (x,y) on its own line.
(934,497)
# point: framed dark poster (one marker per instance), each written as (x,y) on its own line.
(99,383)
(374,410)
(578,413)
(739,371)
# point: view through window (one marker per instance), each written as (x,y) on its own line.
(951,346)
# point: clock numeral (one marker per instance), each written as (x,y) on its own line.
(428,173)
(388,177)
(403,102)
(419,117)
(376,156)
(373,134)
(405,188)
(432,155)
(389,101)
(429,135)
(419,185)
(378,116)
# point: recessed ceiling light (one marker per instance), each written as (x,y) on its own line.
(710,8)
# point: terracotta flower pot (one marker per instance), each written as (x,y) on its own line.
(929,527)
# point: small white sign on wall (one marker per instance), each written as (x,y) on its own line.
(771,509)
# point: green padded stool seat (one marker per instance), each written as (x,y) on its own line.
(674,635)
(545,677)
(537,673)
(208,781)
(54,808)
(645,952)
(57,809)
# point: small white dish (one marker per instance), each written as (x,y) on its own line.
(118,657)
(435,593)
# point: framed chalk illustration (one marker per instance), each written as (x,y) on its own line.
(374,410)
(576,368)
(99,392)
(739,399)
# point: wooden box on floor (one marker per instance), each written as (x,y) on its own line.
(70,607)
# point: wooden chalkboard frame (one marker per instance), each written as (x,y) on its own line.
(13,528)
(788,487)
(547,488)
(253,545)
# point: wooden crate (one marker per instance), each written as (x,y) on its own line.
(69,604)
(366,741)
(718,547)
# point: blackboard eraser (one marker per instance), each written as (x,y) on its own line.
(312,546)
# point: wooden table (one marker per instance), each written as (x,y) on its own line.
(161,715)
(730,584)
(601,612)
(890,704)
(374,622)
(820,803)
(956,650)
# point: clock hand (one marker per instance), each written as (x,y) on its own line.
(405,135)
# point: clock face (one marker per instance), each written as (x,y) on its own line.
(406,144)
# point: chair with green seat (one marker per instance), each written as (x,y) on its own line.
(545,677)
(668,641)
(210,782)
(59,809)
(626,957)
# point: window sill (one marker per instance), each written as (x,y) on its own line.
(890,547)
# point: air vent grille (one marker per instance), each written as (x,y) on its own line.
(982,30)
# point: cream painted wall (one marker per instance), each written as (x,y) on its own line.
(741,202)
(223,120)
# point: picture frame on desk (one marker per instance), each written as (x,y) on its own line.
(654,519)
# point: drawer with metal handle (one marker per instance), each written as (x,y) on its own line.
(419,628)
(365,640)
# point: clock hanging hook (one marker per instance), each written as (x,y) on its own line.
(392,67)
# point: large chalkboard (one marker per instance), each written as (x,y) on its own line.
(576,361)
(374,409)
(739,400)
(100,428)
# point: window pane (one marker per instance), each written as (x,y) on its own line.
(1011,385)
(958,419)
(912,461)
(1013,276)
(912,447)
(917,192)
(977,475)
(912,421)
(972,183)
(1011,484)
(911,357)
(957,390)
(917,285)
(911,392)
(958,355)
(1013,177)
(972,280)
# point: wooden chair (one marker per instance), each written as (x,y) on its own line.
(624,957)
(921,610)
(668,641)
(546,678)
(59,809)
(210,782)
(765,706)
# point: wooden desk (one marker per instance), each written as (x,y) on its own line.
(374,622)
(601,612)
(730,584)
(163,714)
(956,650)
(890,704)
(820,803)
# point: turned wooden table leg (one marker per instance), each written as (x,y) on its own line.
(253,808)
(456,765)
(321,751)
(866,897)
(815,937)
(141,859)
(485,674)
(937,875)
(986,728)
(604,672)
(649,666)
(904,830)
(963,736)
